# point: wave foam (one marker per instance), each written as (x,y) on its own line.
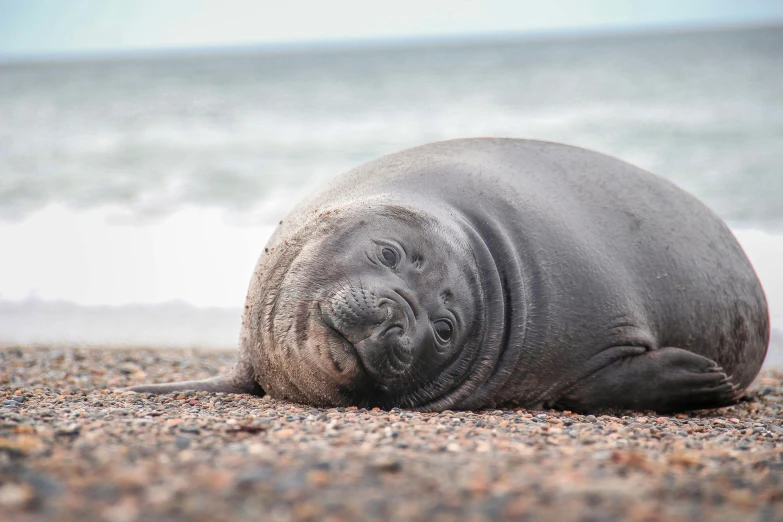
(89,258)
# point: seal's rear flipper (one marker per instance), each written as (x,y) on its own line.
(237,381)
(666,380)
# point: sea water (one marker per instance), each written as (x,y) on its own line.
(137,192)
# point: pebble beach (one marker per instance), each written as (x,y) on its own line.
(72,448)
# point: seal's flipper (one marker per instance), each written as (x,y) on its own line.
(666,380)
(236,382)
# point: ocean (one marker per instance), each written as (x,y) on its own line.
(137,192)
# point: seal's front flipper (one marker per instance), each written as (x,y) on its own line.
(666,380)
(238,381)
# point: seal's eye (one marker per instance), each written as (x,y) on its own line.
(389,257)
(442,329)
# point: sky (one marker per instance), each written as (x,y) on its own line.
(63,27)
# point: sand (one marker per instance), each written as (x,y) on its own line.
(72,449)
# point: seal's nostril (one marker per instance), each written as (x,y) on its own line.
(393,329)
(395,319)
(408,298)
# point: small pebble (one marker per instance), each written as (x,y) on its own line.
(67,429)
(386,463)
(16,496)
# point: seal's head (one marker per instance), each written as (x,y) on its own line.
(379,305)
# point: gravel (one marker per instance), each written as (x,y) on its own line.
(73,449)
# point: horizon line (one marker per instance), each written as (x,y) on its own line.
(327,45)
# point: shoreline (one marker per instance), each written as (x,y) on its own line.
(174,325)
(71,449)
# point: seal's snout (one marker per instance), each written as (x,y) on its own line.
(379,323)
(360,312)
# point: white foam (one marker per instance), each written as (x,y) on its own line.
(765,252)
(173,324)
(92,258)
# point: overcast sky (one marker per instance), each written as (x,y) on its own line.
(47,27)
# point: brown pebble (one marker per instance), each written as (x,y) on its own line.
(318,477)
(24,444)
(682,458)
(633,459)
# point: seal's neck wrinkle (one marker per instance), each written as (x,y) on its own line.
(507,317)
(494,351)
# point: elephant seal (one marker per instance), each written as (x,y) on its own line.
(483,272)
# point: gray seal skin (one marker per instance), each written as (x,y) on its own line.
(484,272)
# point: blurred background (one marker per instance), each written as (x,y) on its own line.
(147,149)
